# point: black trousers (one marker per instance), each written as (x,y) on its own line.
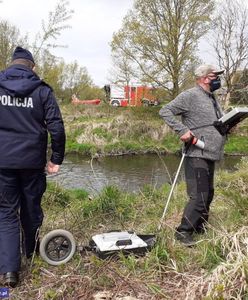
(199,175)
(20,205)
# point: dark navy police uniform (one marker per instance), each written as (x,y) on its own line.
(28,111)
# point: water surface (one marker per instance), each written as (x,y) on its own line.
(129,173)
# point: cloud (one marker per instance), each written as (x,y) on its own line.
(93,24)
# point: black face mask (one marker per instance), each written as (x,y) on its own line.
(215,84)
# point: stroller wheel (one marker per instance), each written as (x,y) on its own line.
(57,247)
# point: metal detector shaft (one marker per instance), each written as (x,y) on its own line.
(174,183)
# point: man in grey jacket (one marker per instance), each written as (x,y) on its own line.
(198,109)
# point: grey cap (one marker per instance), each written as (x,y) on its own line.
(204,70)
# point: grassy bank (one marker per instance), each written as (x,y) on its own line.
(107,130)
(216,268)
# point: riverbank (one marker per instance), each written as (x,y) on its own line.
(104,130)
(216,268)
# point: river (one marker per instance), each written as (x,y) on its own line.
(130,173)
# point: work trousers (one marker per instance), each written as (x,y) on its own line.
(199,176)
(20,205)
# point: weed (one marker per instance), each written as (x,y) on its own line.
(56,195)
(171,142)
(236,144)
(79,194)
(51,295)
(130,262)
(105,281)
(210,254)
(83,148)
(102,133)
(159,254)
(112,201)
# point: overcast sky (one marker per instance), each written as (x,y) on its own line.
(93,24)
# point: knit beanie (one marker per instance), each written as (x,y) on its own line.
(22,53)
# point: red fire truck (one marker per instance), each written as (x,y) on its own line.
(130,95)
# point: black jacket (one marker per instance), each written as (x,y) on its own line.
(28,111)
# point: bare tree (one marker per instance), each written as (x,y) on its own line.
(9,37)
(160,38)
(230,40)
(52,28)
(45,40)
(122,71)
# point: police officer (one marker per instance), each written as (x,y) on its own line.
(28,112)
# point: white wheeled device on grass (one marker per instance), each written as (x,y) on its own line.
(58,246)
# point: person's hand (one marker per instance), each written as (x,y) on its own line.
(52,168)
(187,136)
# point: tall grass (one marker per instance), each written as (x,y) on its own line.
(216,268)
